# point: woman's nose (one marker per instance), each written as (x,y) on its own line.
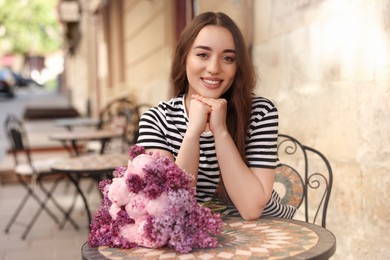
(213,66)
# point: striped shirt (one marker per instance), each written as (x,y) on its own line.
(163,127)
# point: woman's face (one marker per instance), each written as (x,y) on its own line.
(211,62)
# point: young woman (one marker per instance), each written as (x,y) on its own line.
(214,127)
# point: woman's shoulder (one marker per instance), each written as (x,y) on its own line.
(174,105)
(260,103)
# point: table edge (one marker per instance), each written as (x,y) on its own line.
(322,233)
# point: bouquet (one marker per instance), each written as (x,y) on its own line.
(152,203)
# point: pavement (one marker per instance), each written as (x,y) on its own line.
(45,240)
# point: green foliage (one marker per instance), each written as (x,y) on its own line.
(29,26)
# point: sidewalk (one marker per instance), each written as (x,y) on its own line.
(45,240)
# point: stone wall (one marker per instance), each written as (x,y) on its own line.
(148,43)
(326,64)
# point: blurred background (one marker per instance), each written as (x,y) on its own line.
(325,64)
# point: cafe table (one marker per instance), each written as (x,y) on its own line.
(70,123)
(265,238)
(94,166)
(70,140)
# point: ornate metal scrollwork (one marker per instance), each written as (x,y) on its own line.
(321,181)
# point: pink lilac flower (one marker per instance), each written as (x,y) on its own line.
(136,166)
(157,206)
(118,192)
(137,206)
(152,203)
(138,233)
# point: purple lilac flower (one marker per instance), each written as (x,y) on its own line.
(136,150)
(119,171)
(135,183)
(175,177)
(155,180)
(186,224)
(105,230)
(176,220)
(104,185)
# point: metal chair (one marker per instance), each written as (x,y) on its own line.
(305,178)
(118,114)
(30,174)
(125,114)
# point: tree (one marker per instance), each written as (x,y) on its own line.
(29,27)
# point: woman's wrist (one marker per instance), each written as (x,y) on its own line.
(192,134)
(222,134)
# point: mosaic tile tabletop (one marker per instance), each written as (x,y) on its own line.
(91,163)
(261,239)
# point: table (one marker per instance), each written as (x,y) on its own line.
(92,166)
(73,137)
(266,238)
(70,123)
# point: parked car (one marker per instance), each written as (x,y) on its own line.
(11,80)
(7,83)
(21,81)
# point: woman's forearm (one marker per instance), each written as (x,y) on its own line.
(248,192)
(188,156)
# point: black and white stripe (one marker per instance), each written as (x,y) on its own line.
(164,126)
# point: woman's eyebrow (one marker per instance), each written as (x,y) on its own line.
(207,48)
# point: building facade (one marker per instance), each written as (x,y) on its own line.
(325,63)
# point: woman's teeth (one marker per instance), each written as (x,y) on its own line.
(213,82)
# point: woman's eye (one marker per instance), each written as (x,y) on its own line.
(202,55)
(229,59)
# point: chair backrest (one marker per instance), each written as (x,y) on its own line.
(116,114)
(17,138)
(125,114)
(304,178)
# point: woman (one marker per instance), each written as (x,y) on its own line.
(215,128)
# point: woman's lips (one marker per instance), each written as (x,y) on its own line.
(212,83)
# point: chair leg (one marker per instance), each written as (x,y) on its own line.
(42,207)
(68,213)
(16,214)
(49,195)
(92,186)
(75,180)
(42,203)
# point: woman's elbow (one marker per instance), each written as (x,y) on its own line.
(250,217)
(251,214)
(252,211)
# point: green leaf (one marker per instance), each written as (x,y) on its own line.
(29,26)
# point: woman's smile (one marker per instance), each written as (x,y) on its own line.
(212,83)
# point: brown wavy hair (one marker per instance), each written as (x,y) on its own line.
(239,94)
